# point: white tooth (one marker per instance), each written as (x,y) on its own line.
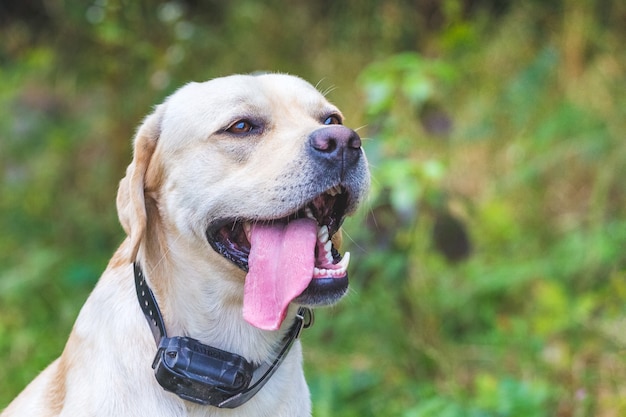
(309,213)
(316,271)
(345,261)
(334,191)
(246,229)
(328,245)
(329,258)
(322,234)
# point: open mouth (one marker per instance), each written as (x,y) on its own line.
(232,239)
(288,258)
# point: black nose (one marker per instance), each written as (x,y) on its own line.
(336,145)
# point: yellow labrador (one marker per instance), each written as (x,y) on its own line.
(232,206)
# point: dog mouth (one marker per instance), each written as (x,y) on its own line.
(232,239)
(291,258)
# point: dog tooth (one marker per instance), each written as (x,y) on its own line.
(328,245)
(246,229)
(329,258)
(309,213)
(345,261)
(322,233)
(334,191)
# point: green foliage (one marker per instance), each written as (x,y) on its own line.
(488,275)
(493,398)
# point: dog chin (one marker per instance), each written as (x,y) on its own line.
(323,292)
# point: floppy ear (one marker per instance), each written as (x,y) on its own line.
(131,205)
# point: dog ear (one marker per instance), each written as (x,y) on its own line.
(131,205)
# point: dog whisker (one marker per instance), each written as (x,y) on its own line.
(328,90)
(354,242)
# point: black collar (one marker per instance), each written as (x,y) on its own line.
(204,374)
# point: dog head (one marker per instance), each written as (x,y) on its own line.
(257,172)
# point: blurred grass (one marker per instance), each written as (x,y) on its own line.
(489,271)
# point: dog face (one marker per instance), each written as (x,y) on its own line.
(259,172)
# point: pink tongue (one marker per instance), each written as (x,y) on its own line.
(280,267)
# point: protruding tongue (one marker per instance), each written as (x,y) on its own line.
(280,267)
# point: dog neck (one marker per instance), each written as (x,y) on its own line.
(204,374)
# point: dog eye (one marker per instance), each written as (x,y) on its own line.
(241,126)
(333,119)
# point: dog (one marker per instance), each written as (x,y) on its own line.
(232,206)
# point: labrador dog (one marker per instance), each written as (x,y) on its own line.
(232,204)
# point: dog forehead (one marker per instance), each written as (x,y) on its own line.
(200,109)
(239,92)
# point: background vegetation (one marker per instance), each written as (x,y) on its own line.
(489,273)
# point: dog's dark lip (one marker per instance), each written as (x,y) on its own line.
(227,236)
(223,242)
(323,291)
